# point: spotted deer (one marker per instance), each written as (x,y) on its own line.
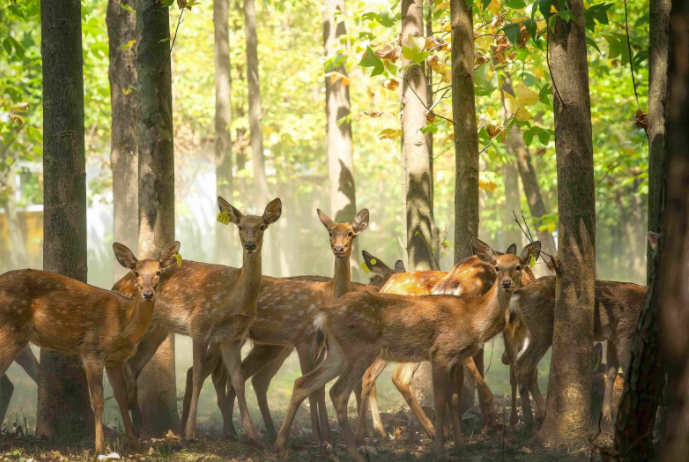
(212,305)
(102,327)
(444,329)
(470,277)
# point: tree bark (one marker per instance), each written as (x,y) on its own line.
(157,386)
(644,380)
(257,158)
(513,234)
(18,256)
(338,141)
(121,25)
(674,262)
(64,408)
(435,241)
(568,411)
(465,129)
(223,118)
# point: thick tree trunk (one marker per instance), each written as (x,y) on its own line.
(513,234)
(64,409)
(465,130)
(157,386)
(338,142)
(260,193)
(223,120)
(125,114)
(568,411)
(644,380)
(674,262)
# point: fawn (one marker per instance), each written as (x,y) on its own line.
(102,327)
(443,329)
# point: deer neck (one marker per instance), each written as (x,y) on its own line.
(251,280)
(139,319)
(342,278)
(496,303)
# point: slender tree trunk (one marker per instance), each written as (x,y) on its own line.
(64,409)
(257,158)
(435,240)
(465,129)
(674,262)
(513,234)
(533,196)
(568,414)
(125,114)
(19,256)
(644,380)
(338,142)
(157,386)
(223,119)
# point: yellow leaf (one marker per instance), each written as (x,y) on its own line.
(511,103)
(522,115)
(526,96)
(494,7)
(389,133)
(447,27)
(487,185)
(391,84)
(338,77)
(416,43)
(126,91)
(447,75)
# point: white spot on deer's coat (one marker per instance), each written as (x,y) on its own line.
(311,307)
(319,321)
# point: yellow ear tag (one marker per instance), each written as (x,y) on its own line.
(364,267)
(178,257)
(532,263)
(373,262)
(224,217)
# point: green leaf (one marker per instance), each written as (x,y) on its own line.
(513,32)
(565,15)
(527,136)
(639,58)
(516,4)
(531,28)
(413,55)
(371,60)
(596,13)
(484,86)
(432,128)
(166,3)
(7,45)
(543,136)
(592,43)
(544,8)
(485,3)
(124,6)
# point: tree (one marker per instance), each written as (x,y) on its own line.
(338,141)
(223,113)
(121,24)
(511,230)
(569,390)
(64,408)
(157,386)
(644,380)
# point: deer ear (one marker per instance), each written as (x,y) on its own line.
(399,267)
(234,214)
(325,219)
(483,251)
(124,255)
(167,255)
(512,249)
(531,251)
(653,240)
(360,222)
(376,265)
(273,211)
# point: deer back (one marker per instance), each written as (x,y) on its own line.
(414,283)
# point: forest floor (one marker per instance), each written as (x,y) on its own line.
(405,442)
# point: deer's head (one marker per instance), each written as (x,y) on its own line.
(343,234)
(252,227)
(146,272)
(381,271)
(508,266)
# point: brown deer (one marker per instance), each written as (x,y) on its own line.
(27,360)
(102,327)
(443,329)
(469,278)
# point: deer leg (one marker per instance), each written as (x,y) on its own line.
(402,377)
(538,397)
(199,354)
(213,361)
(368,393)
(306,361)
(220,378)
(485,395)
(261,381)
(231,352)
(454,390)
(6,390)
(440,387)
(94,377)
(509,357)
(119,389)
(611,370)
(339,394)
(307,384)
(7,355)
(27,360)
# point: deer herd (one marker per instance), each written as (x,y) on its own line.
(340,330)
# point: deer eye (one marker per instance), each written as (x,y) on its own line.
(330,234)
(263,227)
(497,268)
(136,275)
(518,268)
(158,273)
(350,234)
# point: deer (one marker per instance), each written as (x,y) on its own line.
(284,318)
(618,306)
(470,277)
(444,329)
(102,327)
(27,360)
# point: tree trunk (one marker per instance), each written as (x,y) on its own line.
(64,409)
(435,241)
(674,262)
(338,141)
(19,256)
(223,119)
(568,414)
(533,196)
(157,386)
(125,114)
(644,380)
(513,234)
(257,159)
(465,130)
